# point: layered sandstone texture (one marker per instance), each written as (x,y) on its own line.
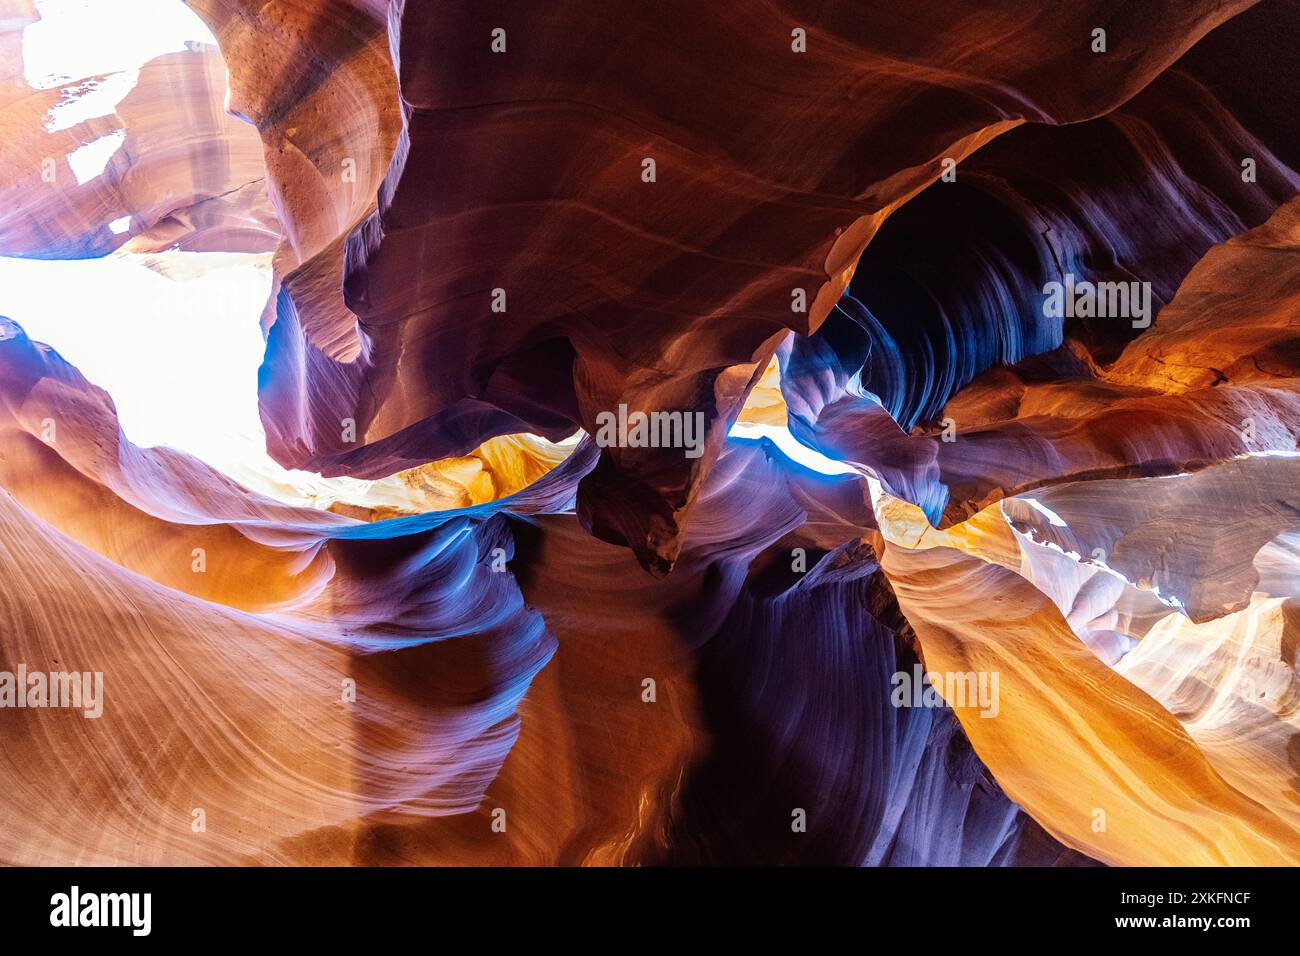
(988,314)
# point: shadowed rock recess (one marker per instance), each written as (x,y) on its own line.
(854,433)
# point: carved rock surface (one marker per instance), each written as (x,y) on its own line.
(952,576)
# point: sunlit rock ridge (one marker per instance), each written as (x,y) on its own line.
(707,434)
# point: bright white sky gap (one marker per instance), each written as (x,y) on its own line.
(89,160)
(94,49)
(179,356)
(76,39)
(792,448)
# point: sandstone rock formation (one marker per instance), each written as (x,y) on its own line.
(500,638)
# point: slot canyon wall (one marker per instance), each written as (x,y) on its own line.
(977,541)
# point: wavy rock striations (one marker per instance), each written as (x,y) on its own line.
(961,571)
